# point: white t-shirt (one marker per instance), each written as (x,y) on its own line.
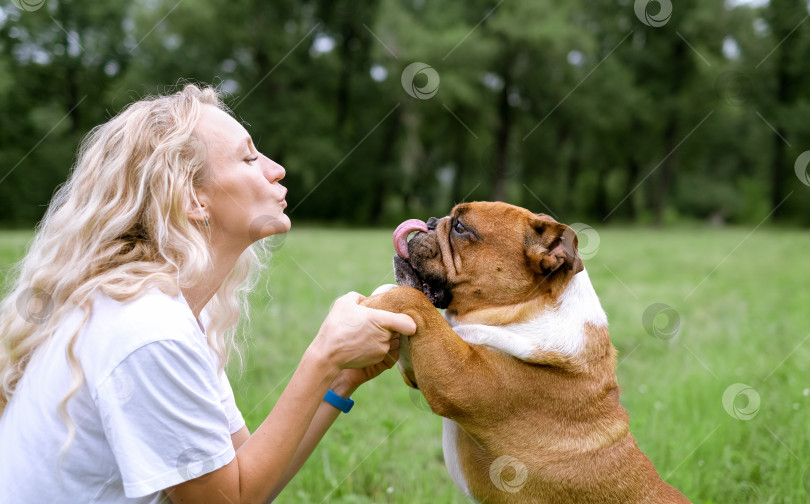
(152,411)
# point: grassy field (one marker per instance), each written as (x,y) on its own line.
(740,303)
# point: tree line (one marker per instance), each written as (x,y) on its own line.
(600,111)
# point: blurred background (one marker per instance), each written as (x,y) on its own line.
(622,114)
(603,111)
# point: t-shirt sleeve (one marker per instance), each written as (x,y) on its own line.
(235,420)
(163,415)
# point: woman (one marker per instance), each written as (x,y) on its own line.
(122,317)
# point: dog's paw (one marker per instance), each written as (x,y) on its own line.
(396,298)
(383,288)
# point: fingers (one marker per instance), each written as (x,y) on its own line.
(352,297)
(391,358)
(395,322)
(402,324)
(359,336)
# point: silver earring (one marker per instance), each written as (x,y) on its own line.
(206,222)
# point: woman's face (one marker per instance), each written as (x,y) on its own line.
(242,196)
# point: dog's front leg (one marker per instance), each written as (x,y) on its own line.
(450,372)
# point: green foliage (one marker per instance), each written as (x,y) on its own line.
(579,104)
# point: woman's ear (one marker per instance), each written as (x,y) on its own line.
(198,212)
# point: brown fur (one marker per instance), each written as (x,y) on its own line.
(560,415)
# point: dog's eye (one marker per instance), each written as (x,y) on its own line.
(459,228)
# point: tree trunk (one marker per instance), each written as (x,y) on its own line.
(667,171)
(461,167)
(386,158)
(345,77)
(502,134)
(783,99)
(600,199)
(633,169)
(72,70)
(565,181)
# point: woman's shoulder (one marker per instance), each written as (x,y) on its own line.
(151,311)
(117,328)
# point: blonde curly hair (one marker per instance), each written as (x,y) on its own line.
(119,225)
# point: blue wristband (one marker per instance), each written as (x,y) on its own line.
(341,403)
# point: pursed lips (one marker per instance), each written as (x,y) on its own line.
(283,199)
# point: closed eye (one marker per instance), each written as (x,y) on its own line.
(252,160)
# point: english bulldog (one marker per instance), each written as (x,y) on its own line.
(520,365)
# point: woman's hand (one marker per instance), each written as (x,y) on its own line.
(350,379)
(358,338)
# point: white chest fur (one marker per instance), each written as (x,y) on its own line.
(560,328)
(450,432)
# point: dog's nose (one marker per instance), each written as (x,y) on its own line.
(432,223)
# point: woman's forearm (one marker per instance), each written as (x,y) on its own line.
(323,419)
(264,458)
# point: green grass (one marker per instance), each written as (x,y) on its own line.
(743,306)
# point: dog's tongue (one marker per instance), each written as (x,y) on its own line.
(402,232)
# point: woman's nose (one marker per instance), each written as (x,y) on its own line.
(272,170)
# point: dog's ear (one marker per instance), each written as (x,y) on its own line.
(551,245)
